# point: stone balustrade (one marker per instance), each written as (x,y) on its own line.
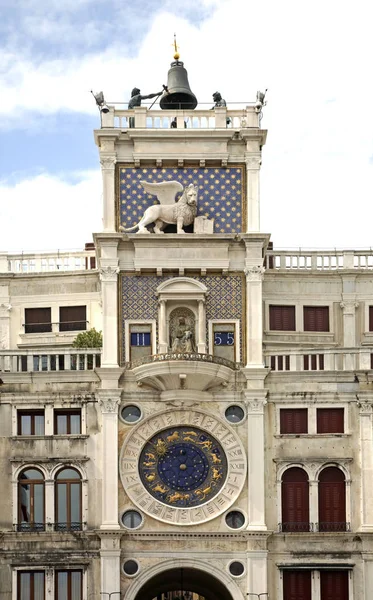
(26,361)
(47,262)
(219,118)
(318,260)
(328,359)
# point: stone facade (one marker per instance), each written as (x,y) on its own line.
(153,465)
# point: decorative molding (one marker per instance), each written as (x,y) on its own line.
(254,273)
(137,163)
(253,162)
(349,306)
(256,405)
(109,273)
(108,163)
(180,163)
(158,163)
(109,405)
(202,163)
(366,408)
(6,306)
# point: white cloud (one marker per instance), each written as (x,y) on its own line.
(47,213)
(314,58)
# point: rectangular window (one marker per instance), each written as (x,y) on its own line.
(293,420)
(371,318)
(68,585)
(296,585)
(224,340)
(30,422)
(316,318)
(330,420)
(281,318)
(73,318)
(140,340)
(38,320)
(333,585)
(67,422)
(31,585)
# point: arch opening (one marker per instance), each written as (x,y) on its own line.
(184,584)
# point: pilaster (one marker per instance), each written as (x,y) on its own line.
(110,565)
(254,316)
(255,402)
(349,306)
(109,401)
(366,442)
(108,186)
(253,162)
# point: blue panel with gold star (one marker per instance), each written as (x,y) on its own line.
(220,193)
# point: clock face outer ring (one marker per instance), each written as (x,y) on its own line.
(163,504)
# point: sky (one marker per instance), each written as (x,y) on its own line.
(314,58)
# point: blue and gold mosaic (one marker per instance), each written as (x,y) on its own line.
(139,299)
(220,193)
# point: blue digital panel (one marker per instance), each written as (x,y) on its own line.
(224,338)
(220,193)
(140,339)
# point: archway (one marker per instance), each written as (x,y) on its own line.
(185,580)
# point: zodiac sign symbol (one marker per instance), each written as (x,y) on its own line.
(173,437)
(189,439)
(149,456)
(160,447)
(207,444)
(215,459)
(149,464)
(216,474)
(177,496)
(203,493)
(159,488)
(191,433)
(150,477)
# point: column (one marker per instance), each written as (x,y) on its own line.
(49,504)
(349,328)
(162,325)
(253,163)
(366,443)
(255,402)
(109,401)
(257,574)
(108,187)
(254,317)
(314,501)
(110,566)
(5,341)
(109,290)
(201,344)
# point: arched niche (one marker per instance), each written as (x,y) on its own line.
(178,294)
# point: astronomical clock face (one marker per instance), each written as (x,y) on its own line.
(183,466)
(183,473)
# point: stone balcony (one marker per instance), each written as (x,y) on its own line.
(322,359)
(318,260)
(183,371)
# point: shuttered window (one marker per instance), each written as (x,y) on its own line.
(293,420)
(281,318)
(332,500)
(73,318)
(38,320)
(371,318)
(316,318)
(295,500)
(296,585)
(334,585)
(330,420)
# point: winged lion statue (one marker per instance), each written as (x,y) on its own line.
(168,211)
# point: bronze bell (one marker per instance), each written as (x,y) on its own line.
(178,95)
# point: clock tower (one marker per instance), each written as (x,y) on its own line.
(182,377)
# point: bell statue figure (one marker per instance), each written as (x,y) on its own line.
(135,101)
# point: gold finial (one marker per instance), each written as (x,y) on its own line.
(176,55)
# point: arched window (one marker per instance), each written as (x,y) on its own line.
(332,500)
(68,500)
(295,500)
(31,500)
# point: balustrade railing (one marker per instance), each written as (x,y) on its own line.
(23,361)
(189,356)
(328,359)
(305,527)
(318,260)
(83,260)
(144,118)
